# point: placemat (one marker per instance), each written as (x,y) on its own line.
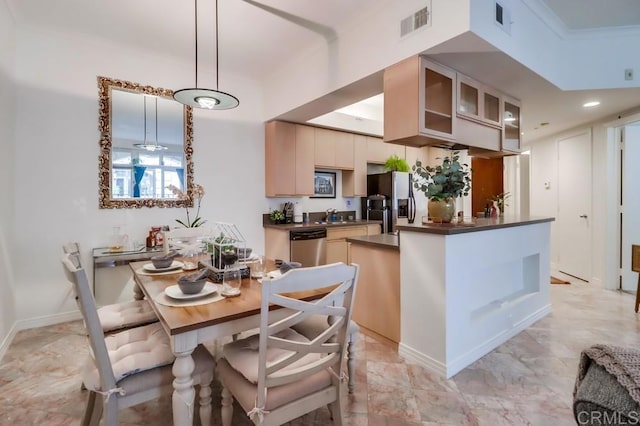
(143,271)
(163,299)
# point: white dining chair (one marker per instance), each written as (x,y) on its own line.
(314,326)
(278,375)
(132,366)
(117,316)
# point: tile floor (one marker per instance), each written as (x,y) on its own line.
(526,381)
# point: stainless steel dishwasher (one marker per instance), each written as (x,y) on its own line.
(308,247)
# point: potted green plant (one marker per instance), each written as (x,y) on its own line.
(442,184)
(276,216)
(396,164)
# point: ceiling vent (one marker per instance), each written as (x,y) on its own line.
(421,18)
(503,16)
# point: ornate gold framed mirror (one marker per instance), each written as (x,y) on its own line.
(145,145)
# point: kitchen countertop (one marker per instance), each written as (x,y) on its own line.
(381,240)
(326,225)
(480,224)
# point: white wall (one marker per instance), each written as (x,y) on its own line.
(56,157)
(544,202)
(564,58)
(368,46)
(7,147)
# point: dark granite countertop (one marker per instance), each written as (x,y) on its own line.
(381,240)
(475,226)
(327,225)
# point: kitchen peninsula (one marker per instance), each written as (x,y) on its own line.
(467,288)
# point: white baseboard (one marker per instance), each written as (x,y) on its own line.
(481,350)
(46,320)
(421,359)
(34,323)
(597,282)
(455,366)
(7,340)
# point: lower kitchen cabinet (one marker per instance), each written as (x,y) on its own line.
(377,301)
(276,244)
(337,246)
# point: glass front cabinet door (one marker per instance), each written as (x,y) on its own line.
(512,118)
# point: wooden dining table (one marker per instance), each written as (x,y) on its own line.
(189,326)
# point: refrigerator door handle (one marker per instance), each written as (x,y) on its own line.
(411,209)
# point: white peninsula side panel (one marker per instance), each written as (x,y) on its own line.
(464,294)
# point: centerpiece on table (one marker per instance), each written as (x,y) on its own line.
(192,197)
(442,184)
(190,246)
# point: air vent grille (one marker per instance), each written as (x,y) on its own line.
(416,20)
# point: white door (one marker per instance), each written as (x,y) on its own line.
(574,205)
(630,230)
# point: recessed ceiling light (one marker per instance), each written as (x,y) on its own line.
(591,104)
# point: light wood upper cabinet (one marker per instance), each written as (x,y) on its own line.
(419,103)
(333,149)
(478,102)
(354,183)
(512,125)
(305,157)
(288,165)
(378,151)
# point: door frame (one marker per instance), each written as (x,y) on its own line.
(612,223)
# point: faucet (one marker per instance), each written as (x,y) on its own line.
(330,212)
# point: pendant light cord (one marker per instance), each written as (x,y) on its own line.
(196,27)
(217,73)
(144,138)
(156,99)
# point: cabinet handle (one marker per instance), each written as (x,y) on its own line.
(583,216)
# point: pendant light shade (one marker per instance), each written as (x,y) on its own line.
(147,145)
(206,98)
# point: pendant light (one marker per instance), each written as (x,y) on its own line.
(206,98)
(146,145)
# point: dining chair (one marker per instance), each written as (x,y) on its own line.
(278,374)
(132,366)
(314,326)
(116,316)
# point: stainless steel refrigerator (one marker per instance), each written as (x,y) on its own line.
(397,189)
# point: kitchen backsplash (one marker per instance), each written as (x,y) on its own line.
(346,215)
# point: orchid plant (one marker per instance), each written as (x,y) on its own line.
(195,195)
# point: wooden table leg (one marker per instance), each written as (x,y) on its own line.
(183,391)
(638,293)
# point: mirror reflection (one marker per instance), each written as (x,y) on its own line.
(145,144)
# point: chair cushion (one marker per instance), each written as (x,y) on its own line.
(242,354)
(126,315)
(163,376)
(313,326)
(131,351)
(246,392)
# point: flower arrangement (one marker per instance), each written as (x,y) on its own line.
(195,196)
(448,180)
(501,200)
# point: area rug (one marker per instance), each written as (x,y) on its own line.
(555,280)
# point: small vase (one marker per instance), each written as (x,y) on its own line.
(442,210)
